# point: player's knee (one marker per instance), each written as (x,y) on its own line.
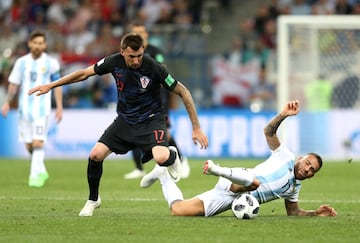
(95,155)
(160,158)
(36,144)
(176,210)
(254,185)
(187,208)
(165,157)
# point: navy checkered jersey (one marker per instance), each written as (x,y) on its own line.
(139,91)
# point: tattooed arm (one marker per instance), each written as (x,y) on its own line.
(197,135)
(290,109)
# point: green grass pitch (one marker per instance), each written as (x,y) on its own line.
(131,214)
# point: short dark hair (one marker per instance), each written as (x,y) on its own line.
(37,33)
(318,157)
(135,24)
(132,40)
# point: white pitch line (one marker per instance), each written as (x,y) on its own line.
(74,199)
(330,201)
(148,199)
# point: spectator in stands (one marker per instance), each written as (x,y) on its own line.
(262,96)
(261,18)
(117,23)
(104,43)
(343,7)
(61,11)
(259,52)
(195,8)
(300,7)
(130,10)
(356,8)
(273,9)
(181,15)
(79,39)
(9,39)
(97,20)
(55,36)
(82,15)
(236,55)
(268,38)
(150,12)
(323,7)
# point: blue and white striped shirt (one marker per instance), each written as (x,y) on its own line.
(277,177)
(28,73)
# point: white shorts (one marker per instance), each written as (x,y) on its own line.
(33,130)
(218,199)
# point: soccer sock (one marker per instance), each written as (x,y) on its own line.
(239,175)
(173,143)
(137,154)
(171,159)
(170,190)
(94,172)
(37,162)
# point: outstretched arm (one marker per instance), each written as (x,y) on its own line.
(73,77)
(197,134)
(293,209)
(59,103)
(290,109)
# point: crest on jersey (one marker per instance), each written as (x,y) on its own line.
(144,82)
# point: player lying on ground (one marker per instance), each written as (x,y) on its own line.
(277,177)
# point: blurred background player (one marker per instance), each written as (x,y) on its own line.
(169,101)
(30,70)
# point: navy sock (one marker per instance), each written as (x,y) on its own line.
(94,173)
(137,154)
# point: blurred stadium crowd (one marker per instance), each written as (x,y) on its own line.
(80,32)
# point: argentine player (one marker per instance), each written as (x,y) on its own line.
(33,69)
(277,177)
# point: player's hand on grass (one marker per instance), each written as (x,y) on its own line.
(39,90)
(325,210)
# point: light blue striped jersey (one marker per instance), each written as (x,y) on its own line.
(28,73)
(277,177)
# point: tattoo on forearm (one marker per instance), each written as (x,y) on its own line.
(190,107)
(273,125)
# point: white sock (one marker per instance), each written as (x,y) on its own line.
(37,162)
(170,190)
(239,175)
